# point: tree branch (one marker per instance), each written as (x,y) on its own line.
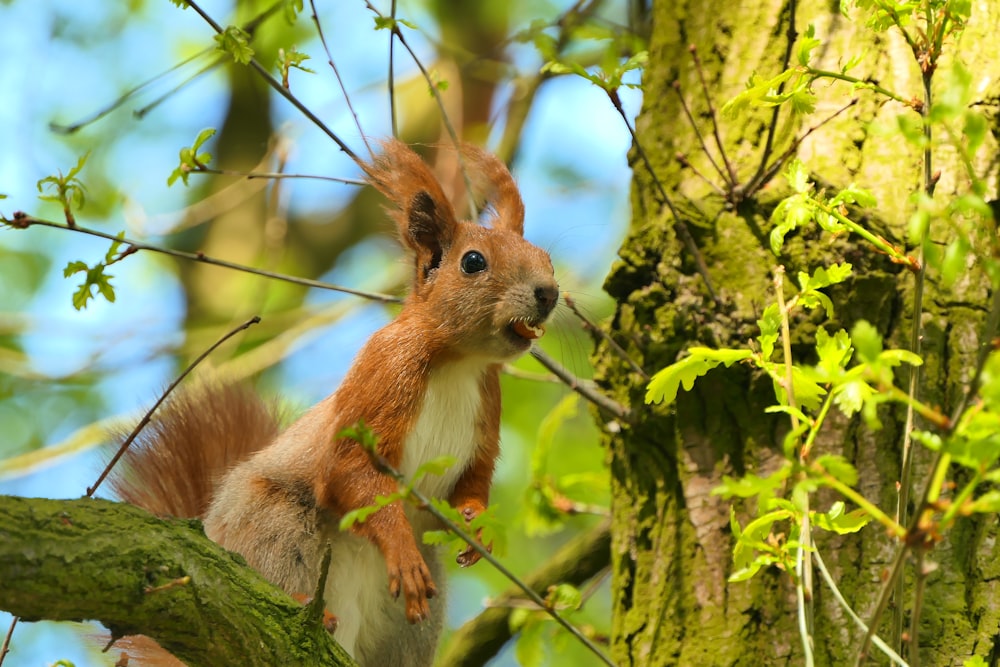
(72,560)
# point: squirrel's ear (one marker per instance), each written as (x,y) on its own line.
(493,183)
(428,232)
(425,219)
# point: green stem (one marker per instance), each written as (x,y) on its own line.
(959,500)
(859,500)
(816,425)
(894,253)
(827,74)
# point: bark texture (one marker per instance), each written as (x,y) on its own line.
(671,544)
(74,560)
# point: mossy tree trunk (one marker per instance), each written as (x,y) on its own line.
(672,544)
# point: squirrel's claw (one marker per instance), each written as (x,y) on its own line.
(414,580)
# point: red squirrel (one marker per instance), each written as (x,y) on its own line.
(427,384)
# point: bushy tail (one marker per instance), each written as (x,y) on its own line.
(195,437)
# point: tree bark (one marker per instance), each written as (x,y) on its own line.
(672,544)
(74,560)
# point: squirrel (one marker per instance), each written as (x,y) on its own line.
(427,384)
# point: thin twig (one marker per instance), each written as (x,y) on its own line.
(23,221)
(803,554)
(828,578)
(895,570)
(425,503)
(763,177)
(791,35)
(712,115)
(124,97)
(916,331)
(615,347)
(336,73)
(284,92)
(149,413)
(141,112)
(250,175)
(679,225)
(687,164)
(697,133)
(250,26)
(5,647)
(581,387)
(392,74)
(445,120)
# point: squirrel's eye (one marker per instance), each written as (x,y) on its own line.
(473,262)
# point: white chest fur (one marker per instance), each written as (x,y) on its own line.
(446,425)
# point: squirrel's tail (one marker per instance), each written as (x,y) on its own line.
(195,437)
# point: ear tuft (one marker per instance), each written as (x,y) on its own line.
(492,181)
(423,215)
(408,183)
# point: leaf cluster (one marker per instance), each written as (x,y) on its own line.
(191,159)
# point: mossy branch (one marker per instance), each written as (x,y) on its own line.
(72,560)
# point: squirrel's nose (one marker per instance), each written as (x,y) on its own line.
(546,297)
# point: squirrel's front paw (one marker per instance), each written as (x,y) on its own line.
(414,579)
(469,556)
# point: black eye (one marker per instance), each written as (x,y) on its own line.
(473,262)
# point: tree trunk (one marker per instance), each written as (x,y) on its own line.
(672,543)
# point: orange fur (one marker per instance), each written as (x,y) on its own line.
(427,384)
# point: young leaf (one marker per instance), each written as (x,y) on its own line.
(867,341)
(236,42)
(770,324)
(436,466)
(664,385)
(807,43)
(839,521)
(839,468)
(564,596)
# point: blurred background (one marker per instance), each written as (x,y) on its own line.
(130,84)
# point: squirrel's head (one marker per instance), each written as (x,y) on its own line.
(482,289)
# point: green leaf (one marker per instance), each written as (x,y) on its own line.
(808,393)
(74,267)
(840,522)
(852,395)
(867,341)
(566,409)
(530,647)
(852,194)
(834,353)
(436,466)
(664,385)
(190,159)
(361,514)
(807,43)
(751,485)
(361,434)
(787,216)
(291,10)
(236,42)
(564,596)
(770,324)
(389,23)
(988,503)
(839,468)
(954,262)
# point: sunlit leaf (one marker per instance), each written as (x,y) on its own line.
(663,386)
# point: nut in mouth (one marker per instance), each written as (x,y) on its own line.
(526,330)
